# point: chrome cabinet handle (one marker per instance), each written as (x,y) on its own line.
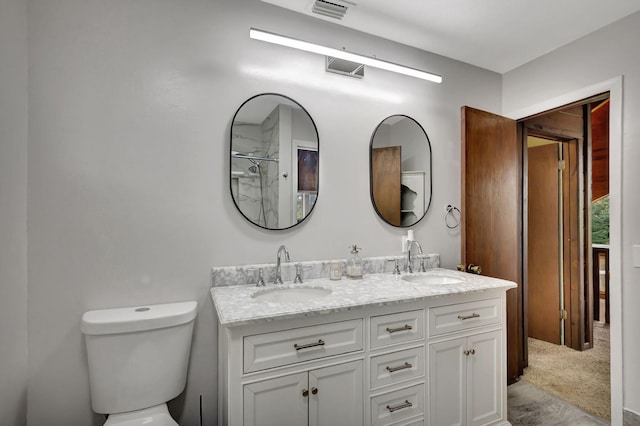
(406,404)
(403,328)
(320,342)
(402,367)
(474,315)
(469,352)
(314,391)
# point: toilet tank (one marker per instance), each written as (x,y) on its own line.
(138,356)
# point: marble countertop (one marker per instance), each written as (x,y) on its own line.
(235,306)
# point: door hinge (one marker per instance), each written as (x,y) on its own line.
(563,314)
(561,165)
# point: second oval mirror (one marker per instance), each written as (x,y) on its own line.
(274,161)
(400,171)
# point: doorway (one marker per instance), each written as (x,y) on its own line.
(563,174)
(557,191)
(497,134)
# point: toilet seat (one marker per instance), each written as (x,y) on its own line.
(153,416)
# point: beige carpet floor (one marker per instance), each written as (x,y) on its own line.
(579,377)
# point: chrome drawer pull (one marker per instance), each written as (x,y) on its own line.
(402,367)
(474,315)
(320,342)
(404,328)
(406,404)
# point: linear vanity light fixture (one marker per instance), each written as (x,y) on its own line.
(342,54)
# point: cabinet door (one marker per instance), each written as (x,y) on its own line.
(336,395)
(484,378)
(447,382)
(277,402)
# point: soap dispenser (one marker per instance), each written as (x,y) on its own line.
(354,265)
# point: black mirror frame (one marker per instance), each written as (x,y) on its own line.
(371,170)
(231,159)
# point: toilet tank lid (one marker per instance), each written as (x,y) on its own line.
(137,318)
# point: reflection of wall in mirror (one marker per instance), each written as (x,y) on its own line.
(405,132)
(414,147)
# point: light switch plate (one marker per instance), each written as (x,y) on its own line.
(636,256)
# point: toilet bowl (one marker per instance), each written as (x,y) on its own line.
(138,359)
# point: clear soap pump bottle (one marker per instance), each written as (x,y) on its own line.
(354,265)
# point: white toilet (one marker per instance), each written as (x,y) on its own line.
(138,359)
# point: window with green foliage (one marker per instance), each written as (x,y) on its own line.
(600,221)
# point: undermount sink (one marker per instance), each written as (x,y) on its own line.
(290,294)
(434,279)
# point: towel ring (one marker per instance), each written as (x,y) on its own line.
(455,215)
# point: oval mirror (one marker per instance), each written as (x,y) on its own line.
(400,171)
(274,161)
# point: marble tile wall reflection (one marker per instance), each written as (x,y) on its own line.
(248,274)
(255,183)
(271,169)
(247,139)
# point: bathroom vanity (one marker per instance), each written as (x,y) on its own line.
(415,349)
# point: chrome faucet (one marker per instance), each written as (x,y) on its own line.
(410,243)
(278,279)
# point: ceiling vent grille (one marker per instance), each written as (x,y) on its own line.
(344,67)
(332,9)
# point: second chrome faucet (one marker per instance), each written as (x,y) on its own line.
(410,244)
(281,249)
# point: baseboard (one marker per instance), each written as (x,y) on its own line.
(631,418)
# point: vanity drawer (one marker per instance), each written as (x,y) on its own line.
(397,367)
(268,350)
(462,316)
(395,406)
(419,422)
(396,328)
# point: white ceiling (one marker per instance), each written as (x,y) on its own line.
(498,35)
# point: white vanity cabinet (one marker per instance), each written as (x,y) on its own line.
(325,396)
(432,361)
(292,372)
(466,364)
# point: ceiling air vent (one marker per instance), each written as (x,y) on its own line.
(344,67)
(332,9)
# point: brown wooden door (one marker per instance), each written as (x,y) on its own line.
(386,182)
(543,248)
(492,213)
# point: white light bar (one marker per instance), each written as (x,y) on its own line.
(342,54)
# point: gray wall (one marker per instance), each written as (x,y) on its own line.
(13,211)
(130,107)
(598,57)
